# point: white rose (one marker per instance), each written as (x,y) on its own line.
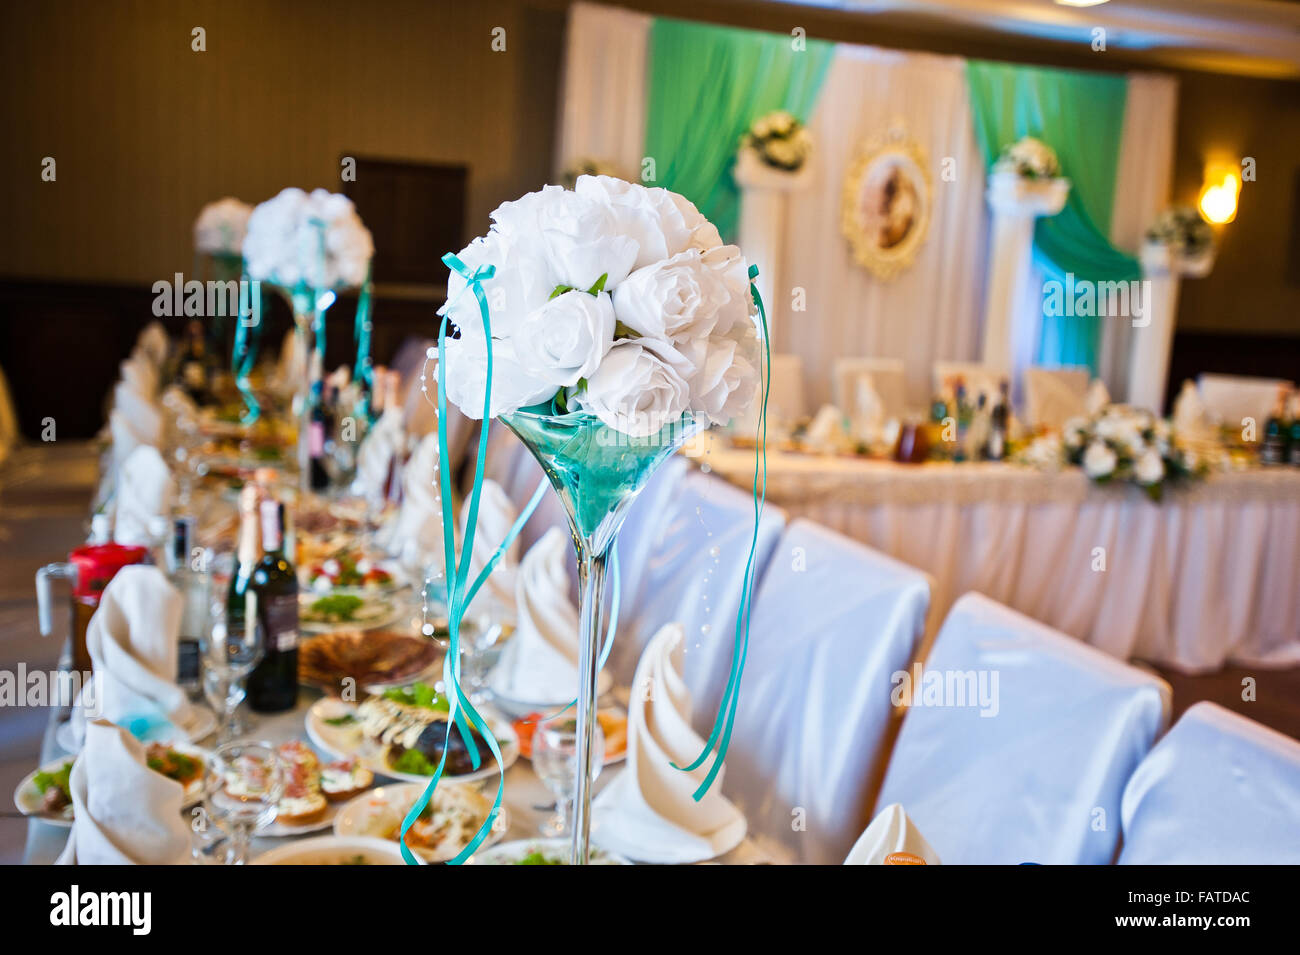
(1150,469)
(1099,460)
(566,338)
(583,241)
(522,283)
(513,387)
(221,226)
(662,222)
(1075,429)
(637,389)
(677,300)
(316,239)
(724,378)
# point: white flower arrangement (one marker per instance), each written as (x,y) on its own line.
(614,299)
(587,166)
(313,238)
(780,141)
(1183,231)
(220,227)
(1029,158)
(1120,443)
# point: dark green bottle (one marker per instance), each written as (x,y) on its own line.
(270,587)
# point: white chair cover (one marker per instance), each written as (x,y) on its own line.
(1055,395)
(833,620)
(1219,789)
(1039,779)
(694,577)
(1230,398)
(888,377)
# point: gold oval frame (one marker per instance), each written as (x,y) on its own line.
(894,148)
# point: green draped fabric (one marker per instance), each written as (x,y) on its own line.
(707,84)
(1081,116)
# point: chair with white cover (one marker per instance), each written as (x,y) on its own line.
(833,621)
(694,576)
(887,378)
(1034,769)
(978,378)
(1055,395)
(1230,398)
(1219,789)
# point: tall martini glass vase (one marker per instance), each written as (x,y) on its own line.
(309,305)
(597,473)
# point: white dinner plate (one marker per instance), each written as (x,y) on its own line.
(278,830)
(382,610)
(345,742)
(333,850)
(203,725)
(361,815)
(513,853)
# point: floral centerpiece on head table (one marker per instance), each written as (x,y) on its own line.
(220,227)
(779,140)
(613,298)
(1029,158)
(1121,443)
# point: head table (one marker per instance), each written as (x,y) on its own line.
(1205,576)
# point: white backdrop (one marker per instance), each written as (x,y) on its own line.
(930,311)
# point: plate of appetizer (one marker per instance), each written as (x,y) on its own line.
(372,659)
(401,733)
(540,852)
(451,819)
(312,790)
(344,611)
(333,850)
(351,570)
(44,794)
(613,725)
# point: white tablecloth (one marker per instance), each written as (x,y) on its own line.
(1206,576)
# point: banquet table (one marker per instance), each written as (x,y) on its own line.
(524,793)
(1207,575)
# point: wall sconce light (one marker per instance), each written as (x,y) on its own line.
(1218,203)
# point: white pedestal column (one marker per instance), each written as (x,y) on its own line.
(1015,204)
(764,193)
(1151,342)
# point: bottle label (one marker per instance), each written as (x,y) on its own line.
(281,622)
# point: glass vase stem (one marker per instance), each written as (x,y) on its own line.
(591,576)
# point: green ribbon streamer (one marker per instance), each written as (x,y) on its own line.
(248,335)
(361,333)
(722,725)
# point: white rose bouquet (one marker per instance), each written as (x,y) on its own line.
(779,140)
(1121,443)
(220,227)
(1029,158)
(315,239)
(612,299)
(1183,231)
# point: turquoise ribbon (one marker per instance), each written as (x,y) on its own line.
(722,725)
(248,335)
(364,368)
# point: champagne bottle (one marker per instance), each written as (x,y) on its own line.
(190,577)
(273,685)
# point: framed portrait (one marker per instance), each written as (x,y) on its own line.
(886,204)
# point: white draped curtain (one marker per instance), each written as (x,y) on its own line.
(931,310)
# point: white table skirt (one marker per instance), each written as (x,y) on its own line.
(1210,575)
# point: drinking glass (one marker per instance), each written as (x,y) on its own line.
(480,646)
(228,658)
(555,760)
(242,786)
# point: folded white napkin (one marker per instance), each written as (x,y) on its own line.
(124,813)
(826,432)
(540,662)
(1052,401)
(1191,418)
(136,419)
(1098,397)
(414,535)
(133,644)
(385,441)
(145,493)
(890,834)
(648,813)
(152,342)
(496,514)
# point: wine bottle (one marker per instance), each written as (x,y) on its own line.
(273,685)
(1293,434)
(319,428)
(1273,448)
(997,443)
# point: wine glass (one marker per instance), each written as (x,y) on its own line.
(228,657)
(480,646)
(555,760)
(242,787)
